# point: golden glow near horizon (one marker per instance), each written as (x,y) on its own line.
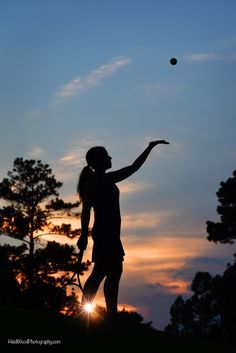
(153,258)
(154,264)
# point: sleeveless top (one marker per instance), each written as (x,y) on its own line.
(107,222)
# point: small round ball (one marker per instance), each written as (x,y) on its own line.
(173,61)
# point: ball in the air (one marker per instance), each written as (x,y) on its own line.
(173,61)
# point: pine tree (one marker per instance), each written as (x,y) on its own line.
(30,203)
(225,230)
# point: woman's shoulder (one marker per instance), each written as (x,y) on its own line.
(94,182)
(91,181)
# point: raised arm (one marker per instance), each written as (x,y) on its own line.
(125,172)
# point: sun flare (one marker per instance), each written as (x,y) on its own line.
(89,308)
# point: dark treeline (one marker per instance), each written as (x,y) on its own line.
(211,310)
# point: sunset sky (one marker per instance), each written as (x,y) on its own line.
(79,73)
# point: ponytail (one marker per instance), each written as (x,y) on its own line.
(86,172)
(93,158)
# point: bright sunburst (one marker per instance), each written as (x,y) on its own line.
(89,308)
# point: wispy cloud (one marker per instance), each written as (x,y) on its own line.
(202,57)
(93,78)
(143,220)
(35,152)
(210,57)
(131,186)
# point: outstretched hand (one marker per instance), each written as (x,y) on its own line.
(158,142)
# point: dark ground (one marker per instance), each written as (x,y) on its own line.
(98,335)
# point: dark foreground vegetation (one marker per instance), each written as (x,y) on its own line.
(127,334)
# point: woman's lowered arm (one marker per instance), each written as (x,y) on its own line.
(85,218)
(85,214)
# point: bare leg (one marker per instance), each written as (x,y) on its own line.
(92,284)
(111,287)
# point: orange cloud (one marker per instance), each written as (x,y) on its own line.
(141,220)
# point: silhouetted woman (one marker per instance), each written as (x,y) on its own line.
(97,189)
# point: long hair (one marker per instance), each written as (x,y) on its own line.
(93,157)
(86,172)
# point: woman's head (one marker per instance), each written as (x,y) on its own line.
(97,159)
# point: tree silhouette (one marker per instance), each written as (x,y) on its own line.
(225,230)
(9,271)
(198,314)
(181,317)
(28,213)
(211,310)
(53,266)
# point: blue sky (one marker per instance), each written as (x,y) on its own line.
(80,73)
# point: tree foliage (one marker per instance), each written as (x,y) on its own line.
(10,270)
(30,275)
(225,230)
(29,207)
(211,310)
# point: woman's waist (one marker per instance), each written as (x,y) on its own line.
(106,220)
(106,227)
(111,229)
